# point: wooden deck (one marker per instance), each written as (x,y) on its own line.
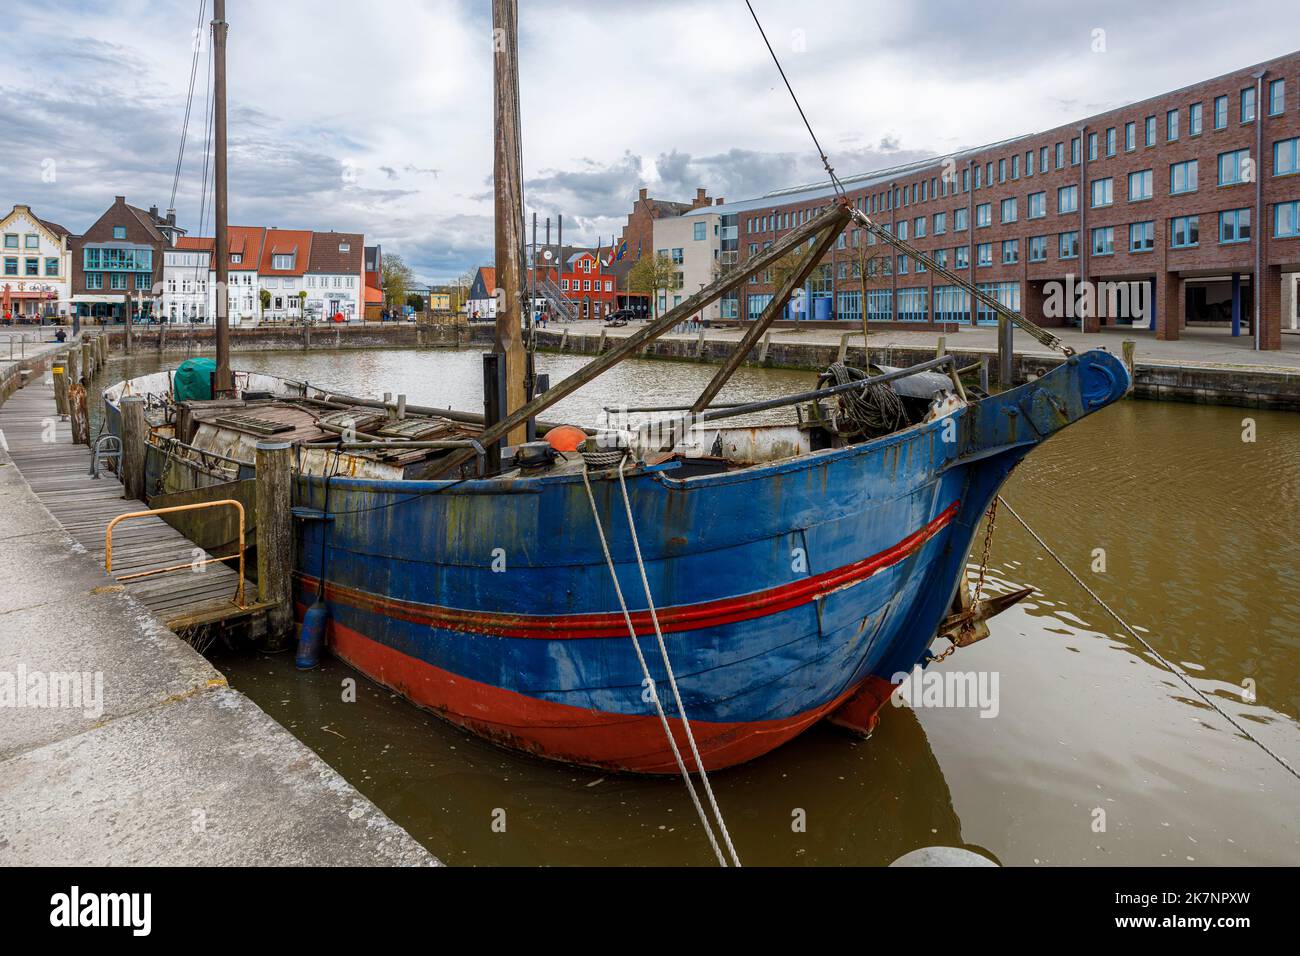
(59,473)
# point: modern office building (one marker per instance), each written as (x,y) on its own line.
(1171,211)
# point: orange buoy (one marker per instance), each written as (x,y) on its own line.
(566,437)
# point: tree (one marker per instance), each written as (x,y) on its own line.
(264,300)
(398,277)
(302,305)
(416,302)
(460,290)
(653,274)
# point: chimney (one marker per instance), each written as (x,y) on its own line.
(153,212)
(644,193)
(719,201)
(119,200)
(171,217)
(701,194)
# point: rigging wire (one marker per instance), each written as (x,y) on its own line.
(1151,650)
(189,102)
(835,180)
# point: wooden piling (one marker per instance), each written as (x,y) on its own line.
(78,415)
(1006,353)
(984,374)
(844,348)
(699,345)
(274,462)
(1130,361)
(135,432)
(59,371)
(941,349)
(87,358)
(73,373)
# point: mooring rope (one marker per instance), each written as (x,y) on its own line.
(668,668)
(645,669)
(1154,653)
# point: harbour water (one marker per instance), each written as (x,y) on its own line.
(1089,752)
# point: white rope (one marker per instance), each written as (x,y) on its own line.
(668,668)
(1154,653)
(650,683)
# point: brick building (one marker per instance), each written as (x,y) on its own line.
(121,255)
(1169,211)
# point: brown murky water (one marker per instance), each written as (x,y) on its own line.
(1094,753)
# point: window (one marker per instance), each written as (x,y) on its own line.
(959,220)
(1068,245)
(902,229)
(1067,199)
(1171,125)
(1037,205)
(941,258)
(117,280)
(1150,134)
(1234,225)
(984,215)
(1010,252)
(1037,248)
(701,231)
(1183,177)
(282,261)
(940,223)
(1286,220)
(94,280)
(919,227)
(52,266)
(32,267)
(984,254)
(1220,112)
(31,242)
(1248,105)
(1110,141)
(1286,157)
(1015,166)
(1009,209)
(1029,163)
(1002,170)
(902,265)
(1103,241)
(1130,136)
(119,232)
(1276,97)
(236,258)
(344,247)
(1194,119)
(1140,185)
(1185,232)
(609,285)
(11,241)
(1234,167)
(961,257)
(1142,237)
(678,257)
(1060,155)
(965,180)
(1103,192)
(1092,146)
(1042,157)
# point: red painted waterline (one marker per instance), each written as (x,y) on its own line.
(683,617)
(595,738)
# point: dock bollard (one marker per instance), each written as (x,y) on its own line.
(1130,361)
(135,432)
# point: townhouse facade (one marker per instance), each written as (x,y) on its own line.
(35,265)
(120,258)
(1182,208)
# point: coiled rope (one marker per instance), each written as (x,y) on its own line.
(874,410)
(1151,650)
(650,682)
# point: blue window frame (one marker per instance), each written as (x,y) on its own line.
(1092,147)
(940,223)
(1286,220)
(960,218)
(1234,167)
(1220,112)
(1010,251)
(1074,151)
(984,254)
(11,265)
(984,215)
(52,266)
(1037,205)
(1067,199)
(1185,232)
(1110,141)
(1067,245)
(1234,226)
(119,232)
(701,231)
(1248,105)
(1008,210)
(1194,114)
(1037,248)
(1060,155)
(1130,136)
(961,257)
(1103,192)
(1140,185)
(1286,156)
(1276,97)
(1142,237)
(1103,241)
(94,280)
(1183,177)
(1171,125)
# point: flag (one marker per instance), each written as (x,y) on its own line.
(622,251)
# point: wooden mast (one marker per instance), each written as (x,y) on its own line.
(509,209)
(224,381)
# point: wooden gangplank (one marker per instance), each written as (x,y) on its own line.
(59,473)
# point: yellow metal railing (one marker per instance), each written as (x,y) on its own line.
(108,544)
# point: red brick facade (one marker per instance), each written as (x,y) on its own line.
(922,190)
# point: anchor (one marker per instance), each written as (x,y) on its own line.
(968,622)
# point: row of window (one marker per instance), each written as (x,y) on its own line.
(30,241)
(978,176)
(31,267)
(586,285)
(119,280)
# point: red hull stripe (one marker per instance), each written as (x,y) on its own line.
(629,742)
(683,617)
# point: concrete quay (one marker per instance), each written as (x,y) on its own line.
(121,745)
(1206,366)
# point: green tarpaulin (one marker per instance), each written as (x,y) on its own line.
(193,380)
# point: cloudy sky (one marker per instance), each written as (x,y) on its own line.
(375,116)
